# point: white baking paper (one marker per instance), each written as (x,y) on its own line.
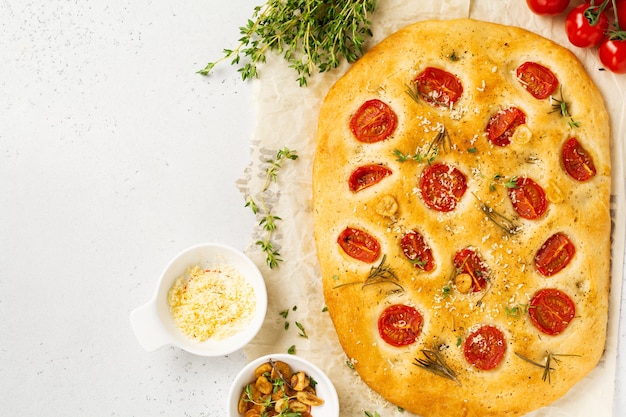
(286,116)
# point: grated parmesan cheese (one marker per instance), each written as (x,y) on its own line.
(211,303)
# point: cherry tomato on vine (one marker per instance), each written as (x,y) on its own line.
(621,13)
(612,53)
(586,26)
(547,7)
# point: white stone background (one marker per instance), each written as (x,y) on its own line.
(114,156)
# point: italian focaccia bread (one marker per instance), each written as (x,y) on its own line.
(461,199)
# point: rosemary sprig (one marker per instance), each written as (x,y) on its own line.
(309,34)
(380,274)
(411,90)
(434,362)
(561,106)
(262,210)
(547,365)
(500,220)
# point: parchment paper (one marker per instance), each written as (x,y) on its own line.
(286,116)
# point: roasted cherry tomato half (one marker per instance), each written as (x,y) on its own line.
(373,121)
(581,31)
(400,325)
(537,79)
(442,187)
(359,245)
(528,198)
(502,125)
(366,176)
(612,53)
(554,254)
(577,161)
(468,261)
(551,311)
(439,87)
(485,347)
(548,7)
(417,251)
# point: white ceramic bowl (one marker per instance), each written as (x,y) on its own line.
(325,388)
(154,325)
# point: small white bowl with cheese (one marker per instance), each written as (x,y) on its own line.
(210,300)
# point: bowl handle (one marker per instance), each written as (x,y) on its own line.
(148,328)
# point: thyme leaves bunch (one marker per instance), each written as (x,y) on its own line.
(309,34)
(261,209)
(441,142)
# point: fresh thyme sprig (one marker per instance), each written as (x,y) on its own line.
(547,365)
(434,362)
(261,209)
(559,105)
(441,142)
(517,311)
(309,34)
(500,179)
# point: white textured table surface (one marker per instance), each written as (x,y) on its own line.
(114,156)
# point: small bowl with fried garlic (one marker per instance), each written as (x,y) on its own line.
(282,384)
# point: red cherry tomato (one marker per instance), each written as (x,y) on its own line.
(416,250)
(547,7)
(577,161)
(469,261)
(537,79)
(373,121)
(528,198)
(359,245)
(485,347)
(580,31)
(554,255)
(439,87)
(502,125)
(551,311)
(366,176)
(442,187)
(400,325)
(612,53)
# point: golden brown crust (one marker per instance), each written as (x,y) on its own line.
(485,56)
